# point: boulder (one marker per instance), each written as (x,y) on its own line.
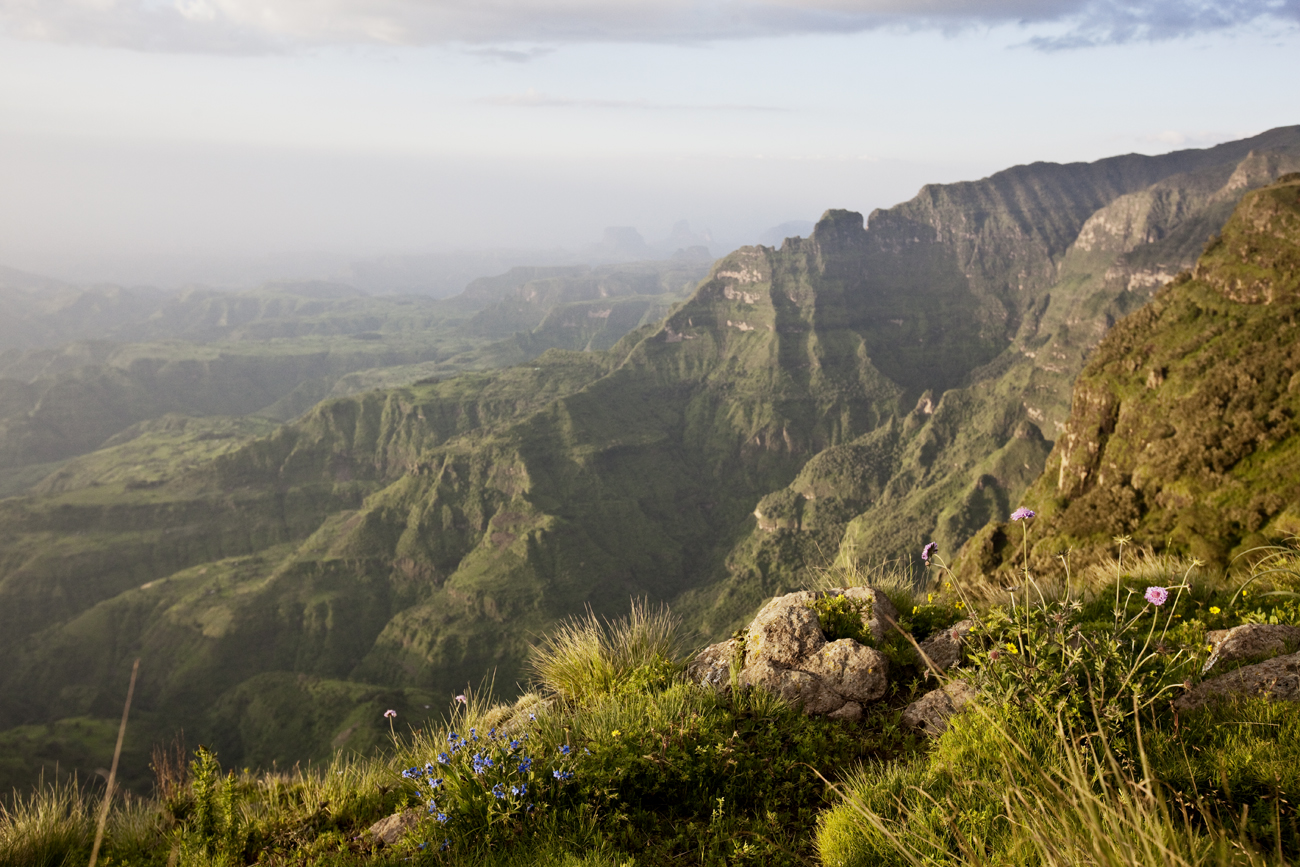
(853,671)
(390,829)
(1277,678)
(784,632)
(944,649)
(800,688)
(930,713)
(880,616)
(786,652)
(1251,641)
(712,665)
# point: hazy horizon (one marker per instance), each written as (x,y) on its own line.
(198,141)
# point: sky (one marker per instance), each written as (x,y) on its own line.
(300,132)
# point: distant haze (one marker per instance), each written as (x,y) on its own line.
(228,143)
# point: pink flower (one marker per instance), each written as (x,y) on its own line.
(390,713)
(1021,514)
(1156,595)
(461,698)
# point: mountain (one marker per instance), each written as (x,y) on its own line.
(278,350)
(1182,433)
(862,389)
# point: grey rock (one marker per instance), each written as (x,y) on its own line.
(390,829)
(930,713)
(800,688)
(712,665)
(850,712)
(881,615)
(785,631)
(1276,679)
(853,671)
(1250,641)
(944,648)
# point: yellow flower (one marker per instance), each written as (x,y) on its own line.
(1214,609)
(960,605)
(916,608)
(616,733)
(1011,648)
(929,597)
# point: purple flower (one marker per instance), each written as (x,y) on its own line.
(929,551)
(390,713)
(1021,514)
(1156,595)
(462,699)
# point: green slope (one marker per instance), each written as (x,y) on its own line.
(1182,431)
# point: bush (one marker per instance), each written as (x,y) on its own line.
(586,658)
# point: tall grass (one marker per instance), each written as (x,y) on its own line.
(586,656)
(51,825)
(1052,800)
(900,583)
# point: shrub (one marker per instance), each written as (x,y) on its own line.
(586,658)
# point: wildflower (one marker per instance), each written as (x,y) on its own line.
(1011,648)
(461,698)
(564,750)
(446,844)
(519,790)
(615,733)
(390,713)
(515,744)
(473,734)
(442,820)
(525,765)
(492,733)
(443,758)
(452,738)
(433,806)
(929,551)
(916,609)
(562,775)
(960,605)
(434,783)
(929,597)
(532,717)
(1022,513)
(499,791)
(1156,596)
(411,773)
(1214,609)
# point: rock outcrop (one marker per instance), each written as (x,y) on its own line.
(1276,679)
(786,652)
(1250,641)
(930,713)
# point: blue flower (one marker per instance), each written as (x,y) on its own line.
(525,765)
(499,790)
(452,738)
(520,790)
(410,773)
(443,758)
(434,784)
(929,551)
(532,717)
(562,775)
(564,750)
(446,844)
(442,820)
(433,806)
(473,734)
(515,744)
(492,733)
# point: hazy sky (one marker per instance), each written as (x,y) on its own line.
(356,127)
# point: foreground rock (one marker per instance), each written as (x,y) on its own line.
(946,648)
(786,652)
(390,829)
(1251,641)
(1276,679)
(931,712)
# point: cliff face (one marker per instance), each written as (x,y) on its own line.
(867,386)
(1182,432)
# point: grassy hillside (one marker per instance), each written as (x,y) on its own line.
(1181,434)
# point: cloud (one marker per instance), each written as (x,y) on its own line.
(258,26)
(533,99)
